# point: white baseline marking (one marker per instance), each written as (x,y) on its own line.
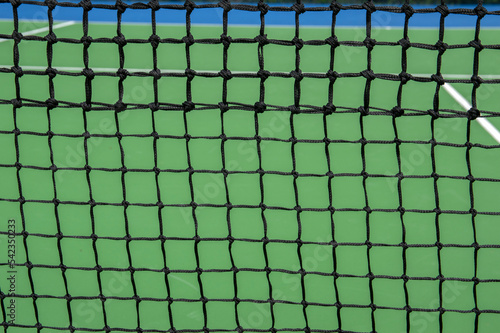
(40,30)
(147,70)
(485,123)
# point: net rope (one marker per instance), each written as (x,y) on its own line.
(258,108)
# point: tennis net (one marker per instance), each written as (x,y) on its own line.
(246,167)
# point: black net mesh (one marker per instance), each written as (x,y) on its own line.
(33,312)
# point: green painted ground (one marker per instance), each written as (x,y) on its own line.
(246,222)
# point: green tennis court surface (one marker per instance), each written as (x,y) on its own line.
(201,286)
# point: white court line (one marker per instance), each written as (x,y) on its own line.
(147,70)
(485,123)
(40,30)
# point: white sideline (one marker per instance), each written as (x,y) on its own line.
(485,123)
(40,30)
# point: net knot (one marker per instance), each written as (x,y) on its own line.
(476,44)
(154,40)
(86,106)
(189,6)
(401,209)
(263,74)
(297,75)
(404,77)
(473,113)
(51,38)
(332,41)
(92,203)
(262,206)
(226,40)
(120,40)
(397,111)
(226,74)
(405,43)
(299,8)
(363,111)
(51,4)
(329,109)
(15,3)
(154,5)
(368,74)
(480,11)
(188,106)
(120,6)
(368,210)
(331,209)
(223,107)
(405,278)
(298,209)
(18,71)
(226,5)
(17,36)
(120,106)
(369,7)
(441,46)
(261,39)
(473,212)
(475,280)
(86,5)
(476,311)
(335,7)
(155,73)
(408,308)
(476,80)
(408,10)
(51,72)
(53,167)
(125,204)
(188,40)
(51,103)
(443,10)
(259,107)
(88,73)
(373,306)
(438,78)
(86,40)
(263,7)
(122,73)
(470,178)
(369,246)
(194,205)
(190,74)
(338,305)
(369,43)
(294,109)
(154,107)
(230,239)
(299,43)
(433,113)
(332,75)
